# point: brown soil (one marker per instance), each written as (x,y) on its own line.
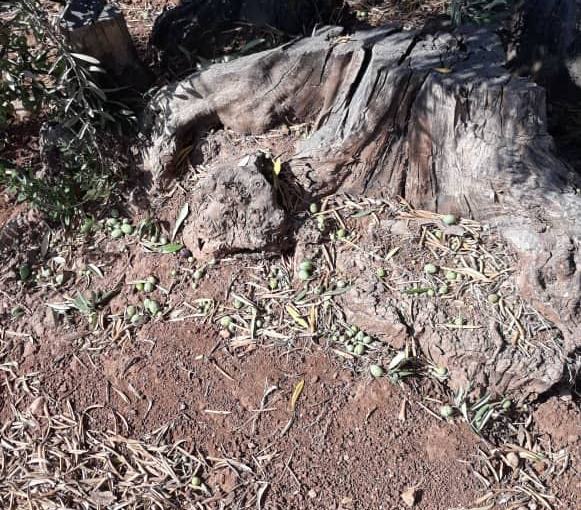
(347,446)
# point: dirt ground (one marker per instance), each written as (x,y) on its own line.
(273,424)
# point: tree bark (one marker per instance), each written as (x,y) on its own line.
(436,119)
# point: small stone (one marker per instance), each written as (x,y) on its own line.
(512,460)
(409,496)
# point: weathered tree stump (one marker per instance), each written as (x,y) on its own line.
(95,28)
(436,119)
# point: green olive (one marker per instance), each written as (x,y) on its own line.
(24,272)
(196,481)
(306,265)
(341,233)
(431,292)
(154,239)
(450,219)
(136,319)
(493,298)
(314,208)
(225,321)
(148,287)
(380,273)
(304,275)
(152,280)
(17,312)
(451,276)
(272,283)
(258,323)
(139,286)
(376,370)
(163,240)
(154,307)
(341,284)
(127,229)
(318,290)
(359,336)
(114,213)
(359,349)
(446,411)
(112,222)
(237,304)
(367,339)
(349,347)
(198,274)
(459,321)
(430,269)
(130,311)
(443,290)
(506,404)
(117,233)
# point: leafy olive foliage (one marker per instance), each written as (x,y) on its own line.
(478,11)
(42,76)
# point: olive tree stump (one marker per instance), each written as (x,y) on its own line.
(98,29)
(436,119)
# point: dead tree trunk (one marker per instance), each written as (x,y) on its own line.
(436,119)
(94,28)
